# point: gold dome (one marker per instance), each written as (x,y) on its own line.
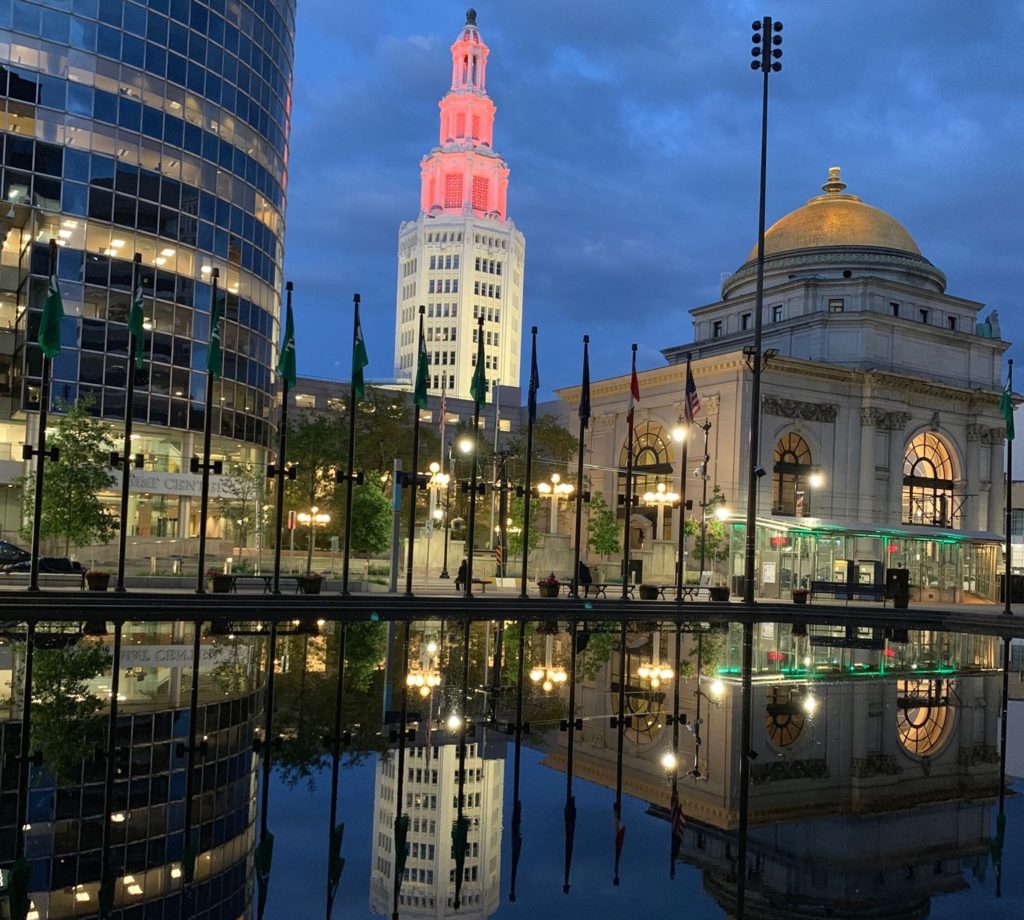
(835,219)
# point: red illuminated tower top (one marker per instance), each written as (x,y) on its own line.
(464,175)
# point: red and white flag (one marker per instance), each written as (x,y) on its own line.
(634,390)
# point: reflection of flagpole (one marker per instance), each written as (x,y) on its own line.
(107,869)
(18,885)
(401,820)
(461,830)
(265,848)
(191,850)
(620,828)
(673,838)
(997,843)
(741,848)
(335,831)
(570,799)
(517,806)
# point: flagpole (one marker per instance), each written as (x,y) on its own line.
(412,478)
(125,460)
(620,724)
(279,471)
(688,419)
(334,860)
(351,449)
(1008,587)
(629,484)
(40,450)
(477,400)
(584,414)
(205,466)
(531,418)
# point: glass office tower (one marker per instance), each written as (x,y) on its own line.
(158,128)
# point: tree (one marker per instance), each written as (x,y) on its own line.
(716,541)
(602,527)
(72,510)
(517,507)
(316,447)
(553,446)
(66,724)
(243,496)
(371,519)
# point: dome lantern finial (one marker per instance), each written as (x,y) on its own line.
(835,184)
(470,17)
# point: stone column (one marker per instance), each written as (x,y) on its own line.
(971,516)
(896,422)
(997,488)
(867,500)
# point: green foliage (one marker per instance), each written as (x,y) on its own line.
(371,518)
(716,544)
(602,527)
(72,510)
(604,640)
(553,446)
(66,724)
(365,646)
(316,447)
(242,500)
(517,508)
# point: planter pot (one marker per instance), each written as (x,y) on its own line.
(798,630)
(97,581)
(719,593)
(799,595)
(648,593)
(220,584)
(310,584)
(548,590)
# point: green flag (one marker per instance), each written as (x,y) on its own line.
(286,361)
(359,361)
(419,396)
(214,354)
(135,320)
(1006,407)
(478,385)
(53,313)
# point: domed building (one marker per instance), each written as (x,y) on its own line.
(881,436)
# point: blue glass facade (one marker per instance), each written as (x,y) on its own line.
(158,128)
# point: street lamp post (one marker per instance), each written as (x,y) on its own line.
(706,428)
(312,517)
(554,490)
(660,498)
(549,676)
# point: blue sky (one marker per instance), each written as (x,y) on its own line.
(632,133)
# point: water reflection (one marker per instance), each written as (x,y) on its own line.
(874,765)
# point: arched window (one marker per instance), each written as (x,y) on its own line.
(791,492)
(928,483)
(923,716)
(652,463)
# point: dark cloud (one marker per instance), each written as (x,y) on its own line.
(632,132)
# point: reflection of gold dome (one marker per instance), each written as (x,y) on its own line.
(835,219)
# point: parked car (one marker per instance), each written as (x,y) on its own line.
(9,553)
(50,564)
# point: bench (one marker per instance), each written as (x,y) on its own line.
(841,590)
(601,588)
(264,581)
(483,582)
(46,579)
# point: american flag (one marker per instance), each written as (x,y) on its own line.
(634,390)
(677,820)
(692,399)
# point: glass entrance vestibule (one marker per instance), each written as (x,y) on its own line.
(946,566)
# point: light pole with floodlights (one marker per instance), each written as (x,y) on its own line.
(554,490)
(312,517)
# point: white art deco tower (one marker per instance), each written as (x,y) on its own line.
(462,257)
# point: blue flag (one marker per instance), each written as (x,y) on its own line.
(585,390)
(531,401)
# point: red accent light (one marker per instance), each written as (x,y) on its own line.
(889,653)
(893,548)
(776,656)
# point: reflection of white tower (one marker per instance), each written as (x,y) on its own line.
(431,791)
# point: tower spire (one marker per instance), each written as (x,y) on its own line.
(464,174)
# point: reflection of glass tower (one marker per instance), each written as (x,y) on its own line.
(63,844)
(431,791)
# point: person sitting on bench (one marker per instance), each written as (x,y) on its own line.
(460,576)
(584,578)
